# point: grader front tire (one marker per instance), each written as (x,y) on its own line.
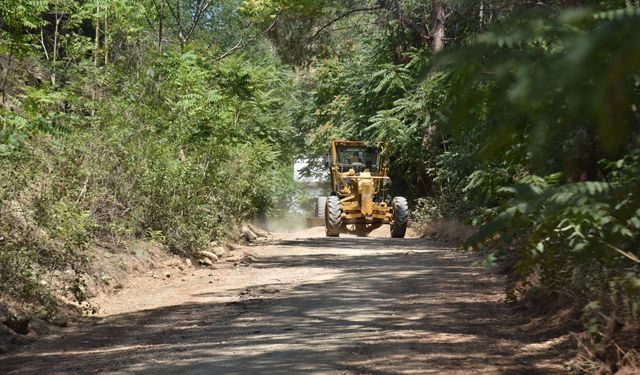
(400,217)
(333,216)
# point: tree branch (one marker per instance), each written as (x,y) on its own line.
(624,253)
(392,6)
(44,47)
(201,8)
(176,16)
(239,46)
(345,15)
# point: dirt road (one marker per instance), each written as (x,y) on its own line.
(314,305)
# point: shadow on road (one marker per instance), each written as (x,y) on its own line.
(394,306)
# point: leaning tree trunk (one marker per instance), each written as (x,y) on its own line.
(431,132)
(437,25)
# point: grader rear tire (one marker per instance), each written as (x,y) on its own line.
(321,204)
(400,217)
(333,216)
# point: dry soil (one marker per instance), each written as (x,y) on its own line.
(304,304)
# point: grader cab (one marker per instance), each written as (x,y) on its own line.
(359,184)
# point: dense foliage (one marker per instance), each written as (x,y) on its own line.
(525,125)
(122,120)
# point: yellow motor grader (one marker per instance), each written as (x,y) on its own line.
(359,182)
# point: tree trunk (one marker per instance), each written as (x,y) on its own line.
(437,45)
(6,74)
(160,20)
(437,25)
(106,34)
(95,55)
(97,40)
(56,34)
(180,32)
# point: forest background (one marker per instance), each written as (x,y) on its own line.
(176,120)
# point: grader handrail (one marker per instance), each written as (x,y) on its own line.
(370,177)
